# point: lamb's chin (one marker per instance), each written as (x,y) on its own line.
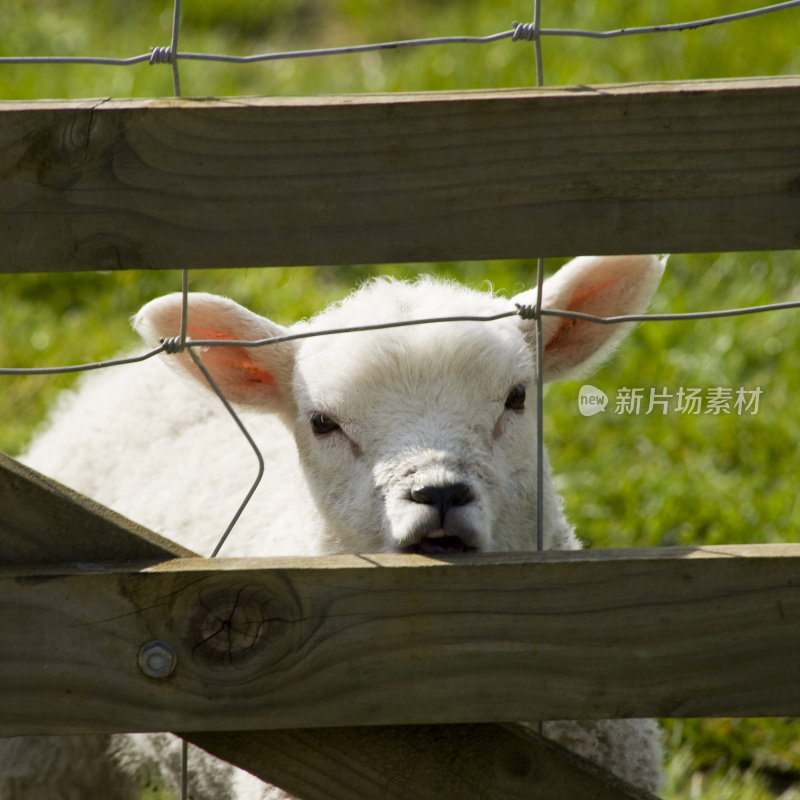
(439,542)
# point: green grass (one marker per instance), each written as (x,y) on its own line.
(628,479)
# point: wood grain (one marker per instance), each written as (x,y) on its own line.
(479,762)
(244,182)
(327,642)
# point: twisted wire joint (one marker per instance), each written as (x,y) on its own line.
(173,345)
(161,55)
(525,32)
(527,311)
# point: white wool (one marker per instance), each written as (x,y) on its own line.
(416,407)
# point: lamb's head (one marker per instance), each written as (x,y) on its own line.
(417,438)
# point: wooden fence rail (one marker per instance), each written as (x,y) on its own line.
(675,167)
(287,643)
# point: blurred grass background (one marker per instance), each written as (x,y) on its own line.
(629,479)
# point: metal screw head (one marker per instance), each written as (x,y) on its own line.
(157,659)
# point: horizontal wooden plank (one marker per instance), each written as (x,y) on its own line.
(244,182)
(450,762)
(288,643)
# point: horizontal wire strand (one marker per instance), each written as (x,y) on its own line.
(177,343)
(519,32)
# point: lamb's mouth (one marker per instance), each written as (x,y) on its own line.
(439,545)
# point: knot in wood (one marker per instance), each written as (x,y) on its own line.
(56,153)
(233,625)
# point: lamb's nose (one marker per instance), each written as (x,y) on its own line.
(443,498)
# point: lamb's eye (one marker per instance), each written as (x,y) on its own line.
(322,425)
(516,398)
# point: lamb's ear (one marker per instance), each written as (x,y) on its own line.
(249,375)
(607,286)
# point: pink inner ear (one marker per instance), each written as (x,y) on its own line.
(564,336)
(233,368)
(207,333)
(578,301)
(238,360)
(573,336)
(572,343)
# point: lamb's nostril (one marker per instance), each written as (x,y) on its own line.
(453,494)
(443,497)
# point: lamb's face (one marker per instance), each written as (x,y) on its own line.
(420,439)
(417,438)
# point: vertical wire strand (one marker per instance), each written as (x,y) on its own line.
(184,325)
(537,21)
(184,770)
(184,304)
(539,408)
(539,422)
(537,42)
(173,47)
(537,45)
(176,82)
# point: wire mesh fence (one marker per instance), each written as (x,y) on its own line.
(533,32)
(172,57)
(179,344)
(519,32)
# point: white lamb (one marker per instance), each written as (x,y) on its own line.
(412,439)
